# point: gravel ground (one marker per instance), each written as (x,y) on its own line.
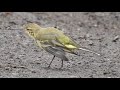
(99,31)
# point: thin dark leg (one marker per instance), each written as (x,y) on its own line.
(51,61)
(61,64)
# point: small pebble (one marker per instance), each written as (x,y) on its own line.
(115,38)
(90,43)
(14,74)
(88,35)
(95,25)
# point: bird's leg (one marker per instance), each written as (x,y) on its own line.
(61,64)
(51,61)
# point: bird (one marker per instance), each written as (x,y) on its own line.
(54,41)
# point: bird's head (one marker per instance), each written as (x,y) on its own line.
(31,29)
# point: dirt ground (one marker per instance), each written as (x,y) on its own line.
(98,31)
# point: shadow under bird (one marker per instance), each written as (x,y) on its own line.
(53,41)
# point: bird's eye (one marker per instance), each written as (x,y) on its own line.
(28,29)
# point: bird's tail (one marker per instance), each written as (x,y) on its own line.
(88,50)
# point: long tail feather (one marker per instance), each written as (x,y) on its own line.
(88,50)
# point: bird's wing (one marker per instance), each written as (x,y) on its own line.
(56,51)
(66,42)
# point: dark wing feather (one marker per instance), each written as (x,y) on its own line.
(57,51)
